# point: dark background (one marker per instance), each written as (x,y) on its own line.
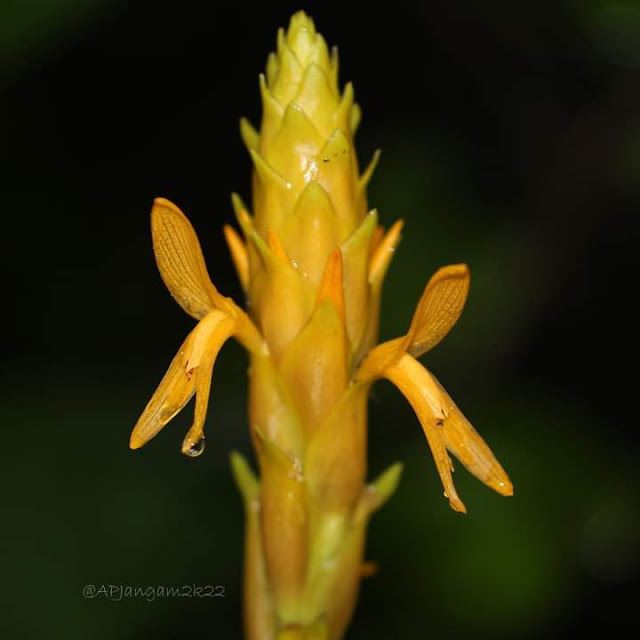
(511,140)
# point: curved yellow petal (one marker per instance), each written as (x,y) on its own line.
(180,260)
(180,381)
(174,391)
(218,331)
(438,309)
(423,393)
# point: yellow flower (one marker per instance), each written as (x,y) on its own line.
(444,425)
(183,270)
(312,262)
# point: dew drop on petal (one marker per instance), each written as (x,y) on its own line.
(195,449)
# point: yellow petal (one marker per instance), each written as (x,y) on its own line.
(439,308)
(174,391)
(180,260)
(180,381)
(423,393)
(465,443)
(379,359)
(218,331)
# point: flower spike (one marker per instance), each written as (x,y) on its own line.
(311,257)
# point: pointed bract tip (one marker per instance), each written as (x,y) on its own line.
(383,253)
(331,287)
(249,135)
(239,256)
(300,20)
(387,482)
(276,246)
(243,475)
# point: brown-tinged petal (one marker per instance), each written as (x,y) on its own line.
(180,260)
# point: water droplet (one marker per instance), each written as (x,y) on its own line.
(195,449)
